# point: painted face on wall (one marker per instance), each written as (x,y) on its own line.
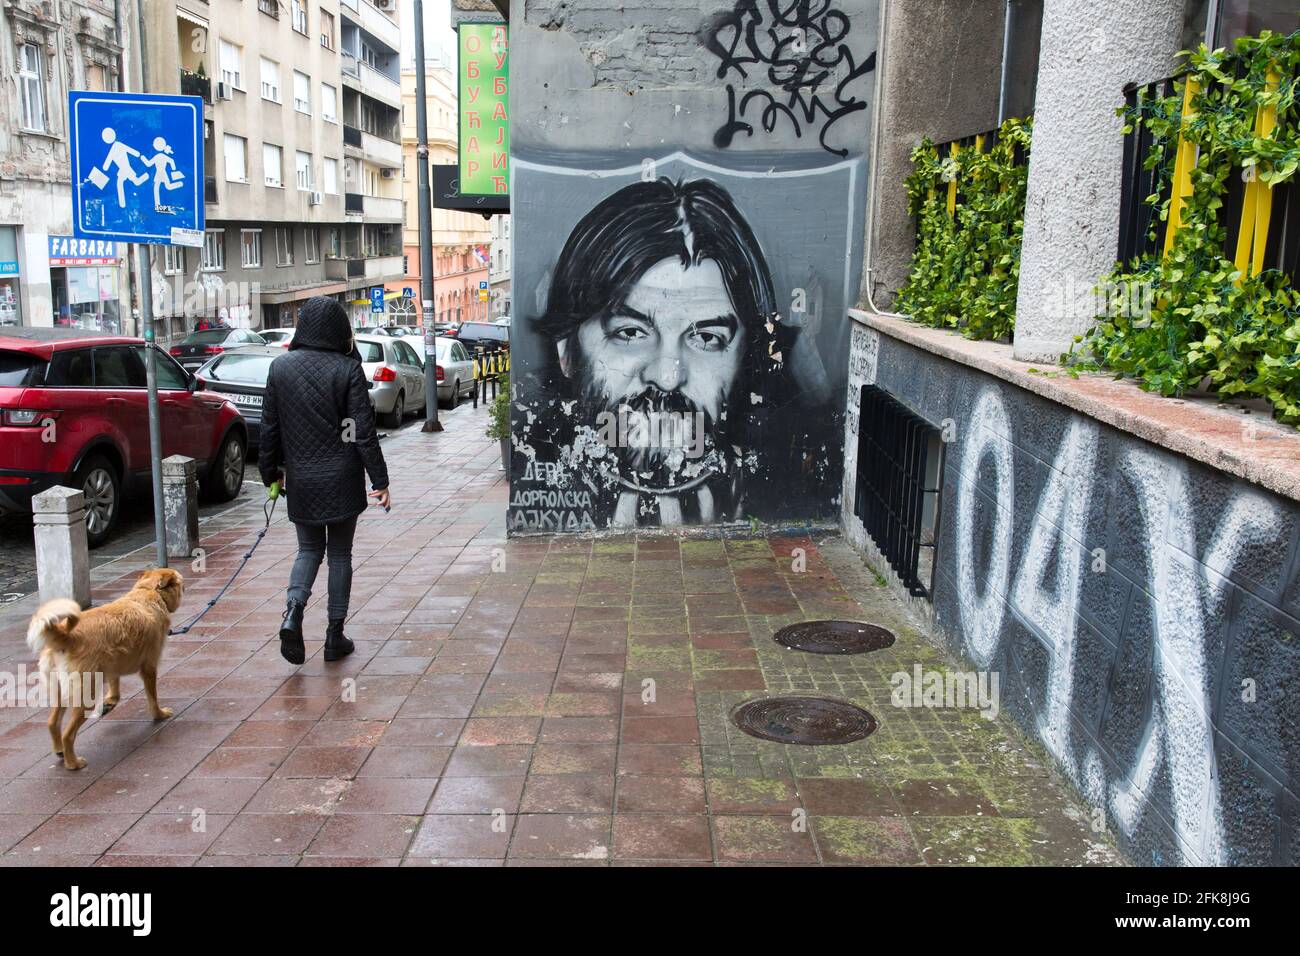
(674,340)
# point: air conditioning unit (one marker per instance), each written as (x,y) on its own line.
(225,92)
(389,173)
(317,198)
(388,5)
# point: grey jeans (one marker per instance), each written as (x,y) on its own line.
(314,542)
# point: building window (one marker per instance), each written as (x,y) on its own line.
(331,176)
(270,80)
(311,244)
(31,81)
(299,16)
(250,248)
(303,166)
(301,92)
(232,65)
(334,246)
(329,103)
(174,260)
(272,161)
(327,30)
(236,155)
(214,251)
(283,246)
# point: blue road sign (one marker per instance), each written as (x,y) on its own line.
(137,167)
(482,284)
(408,292)
(377,299)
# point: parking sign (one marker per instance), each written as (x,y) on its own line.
(377,299)
(137,167)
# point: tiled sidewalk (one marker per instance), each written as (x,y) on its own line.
(537,701)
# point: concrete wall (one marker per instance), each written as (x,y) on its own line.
(643,135)
(1091,49)
(1141,609)
(940,73)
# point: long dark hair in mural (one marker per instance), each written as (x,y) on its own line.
(662,392)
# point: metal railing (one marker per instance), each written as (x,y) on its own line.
(897,492)
(351,135)
(196,84)
(353,202)
(1143,234)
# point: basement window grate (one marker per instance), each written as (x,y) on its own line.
(899,471)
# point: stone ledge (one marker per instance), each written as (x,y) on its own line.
(1237,441)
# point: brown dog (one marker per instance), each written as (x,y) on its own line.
(123,637)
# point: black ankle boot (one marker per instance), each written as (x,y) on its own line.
(291,647)
(337,643)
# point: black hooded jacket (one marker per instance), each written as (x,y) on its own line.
(318,426)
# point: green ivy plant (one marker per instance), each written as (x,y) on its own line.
(499,410)
(966,268)
(1207,325)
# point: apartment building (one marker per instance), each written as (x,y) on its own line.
(299,130)
(461,240)
(499,269)
(47,277)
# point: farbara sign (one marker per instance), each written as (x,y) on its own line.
(484,125)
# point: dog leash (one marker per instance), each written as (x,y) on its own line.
(268,509)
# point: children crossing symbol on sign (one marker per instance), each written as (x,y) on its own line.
(120,145)
(166,175)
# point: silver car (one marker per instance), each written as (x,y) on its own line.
(396,376)
(455,371)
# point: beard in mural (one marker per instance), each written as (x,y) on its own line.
(668,356)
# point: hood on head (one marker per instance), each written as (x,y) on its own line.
(323,324)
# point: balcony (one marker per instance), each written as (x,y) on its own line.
(351,136)
(381,208)
(196,84)
(382,268)
(353,203)
(379,85)
(373,21)
(382,151)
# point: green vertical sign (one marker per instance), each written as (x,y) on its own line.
(483,104)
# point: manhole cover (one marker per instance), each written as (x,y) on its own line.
(834,637)
(803,720)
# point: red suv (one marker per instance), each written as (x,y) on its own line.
(74,411)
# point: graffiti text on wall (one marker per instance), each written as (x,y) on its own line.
(804,46)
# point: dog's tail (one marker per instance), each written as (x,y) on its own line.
(52,625)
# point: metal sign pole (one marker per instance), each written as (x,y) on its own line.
(425,201)
(145,268)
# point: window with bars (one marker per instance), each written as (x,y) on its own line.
(897,491)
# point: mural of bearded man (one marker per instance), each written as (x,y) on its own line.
(669,396)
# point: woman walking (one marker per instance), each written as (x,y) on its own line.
(318,439)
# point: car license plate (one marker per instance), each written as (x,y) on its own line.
(246,399)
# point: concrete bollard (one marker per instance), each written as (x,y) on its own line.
(181,505)
(62,555)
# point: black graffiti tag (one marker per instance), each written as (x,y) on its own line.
(803,45)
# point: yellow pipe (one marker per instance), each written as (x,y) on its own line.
(952,183)
(1257,208)
(1184,161)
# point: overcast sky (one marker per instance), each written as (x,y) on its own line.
(438,34)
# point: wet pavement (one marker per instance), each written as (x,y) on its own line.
(542,700)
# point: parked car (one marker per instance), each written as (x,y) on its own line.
(280,337)
(197,347)
(396,375)
(376,330)
(239,375)
(88,391)
(484,335)
(455,371)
